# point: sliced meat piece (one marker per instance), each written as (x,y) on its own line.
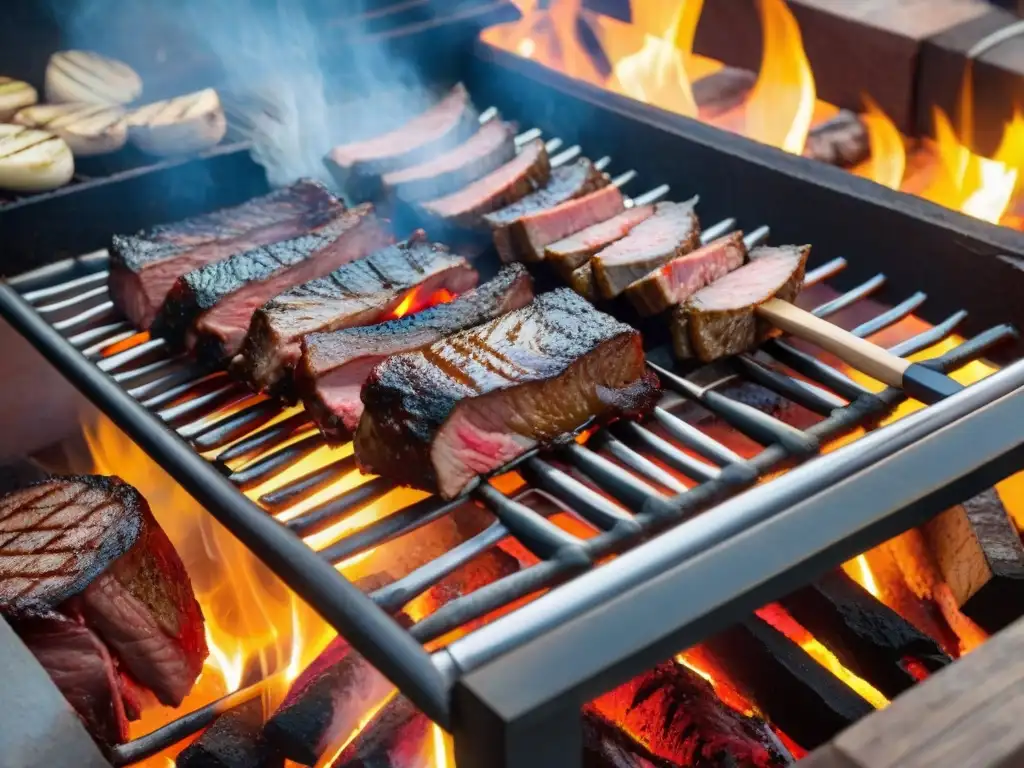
(530,170)
(582,281)
(682,277)
(143,267)
(209,309)
(672,231)
(335,365)
(358,293)
(573,252)
(526,238)
(89,550)
(720,320)
(486,151)
(359,165)
(567,183)
(466,405)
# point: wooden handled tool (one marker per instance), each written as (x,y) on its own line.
(918,381)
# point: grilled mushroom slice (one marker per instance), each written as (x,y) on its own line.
(33,161)
(14,95)
(185,124)
(89,77)
(89,129)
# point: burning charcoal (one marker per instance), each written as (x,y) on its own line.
(727,88)
(395,738)
(605,745)
(870,640)
(841,141)
(233,741)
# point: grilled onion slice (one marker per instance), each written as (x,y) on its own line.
(89,129)
(88,77)
(33,161)
(186,124)
(15,95)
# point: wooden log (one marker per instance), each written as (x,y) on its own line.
(979,553)
(394,738)
(721,91)
(870,640)
(841,141)
(605,745)
(235,740)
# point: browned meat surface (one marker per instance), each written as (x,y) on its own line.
(486,151)
(582,281)
(573,252)
(682,277)
(720,320)
(210,308)
(530,170)
(358,293)
(143,267)
(672,231)
(526,238)
(95,589)
(335,365)
(440,416)
(359,165)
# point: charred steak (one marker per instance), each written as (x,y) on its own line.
(567,183)
(672,231)
(576,250)
(720,320)
(95,589)
(335,365)
(209,309)
(528,171)
(486,151)
(143,267)
(682,277)
(358,293)
(440,416)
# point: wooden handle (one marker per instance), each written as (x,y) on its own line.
(862,355)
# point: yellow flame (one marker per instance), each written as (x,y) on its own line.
(888,161)
(695,669)
(330,756)
(444,754)
(865,577)
(827,659)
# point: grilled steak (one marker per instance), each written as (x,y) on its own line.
(486,151)
(526,238)
(359,165)
(143,267)
(335,365)
(529,171)
(720,320)
(582,281)
(576,250)
(98,594)
(358,293)
(567,182)
(438,417)
(682,277)
(209,309)
(672,231)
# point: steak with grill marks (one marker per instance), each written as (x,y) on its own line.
(576,250)
(335,365)
(143,267)
(209,309)
(358,293)
(95,589)
(672,231)
(720,320)
(466,405)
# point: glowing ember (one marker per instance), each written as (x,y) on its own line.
(331,755)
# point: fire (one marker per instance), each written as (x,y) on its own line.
(444,753)
(888,161)
(859,570)
(415,301)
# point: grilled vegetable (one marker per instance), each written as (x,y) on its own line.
(89,129)
(177,126)
(33,161)
(15,95)
(88,77)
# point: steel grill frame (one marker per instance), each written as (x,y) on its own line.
(466,687)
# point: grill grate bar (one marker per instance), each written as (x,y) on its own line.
(692,438)
(207,436)
(340,508)
(112,363)
(583,500)
(810,366)
(264,438)
(103,334)
(849,298)
(102,311)
(93,278)
(610,477)
(174,385)
(825,271)
(78,298)
(309,484)
(535,532)
(637,462)
(928,338)
(209,401)
(890,317)
(262,469)
(693,468)
(813,398)
(716,231)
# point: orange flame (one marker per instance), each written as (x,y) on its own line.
(444,752)
(859,570)
(415,301)
(888,161)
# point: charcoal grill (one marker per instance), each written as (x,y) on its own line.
(511,691)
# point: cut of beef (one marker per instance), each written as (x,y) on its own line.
(335,365)
(573,252)
(486,151)
(358,293)
(582,281)
(143,267)
(529,171)
(567,183)
(682,277)
(720,320)
(526,237)
(359,165)
(440,416)
(209,309)
(97,592)
(672,231)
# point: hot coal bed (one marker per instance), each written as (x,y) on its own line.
(511,692)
